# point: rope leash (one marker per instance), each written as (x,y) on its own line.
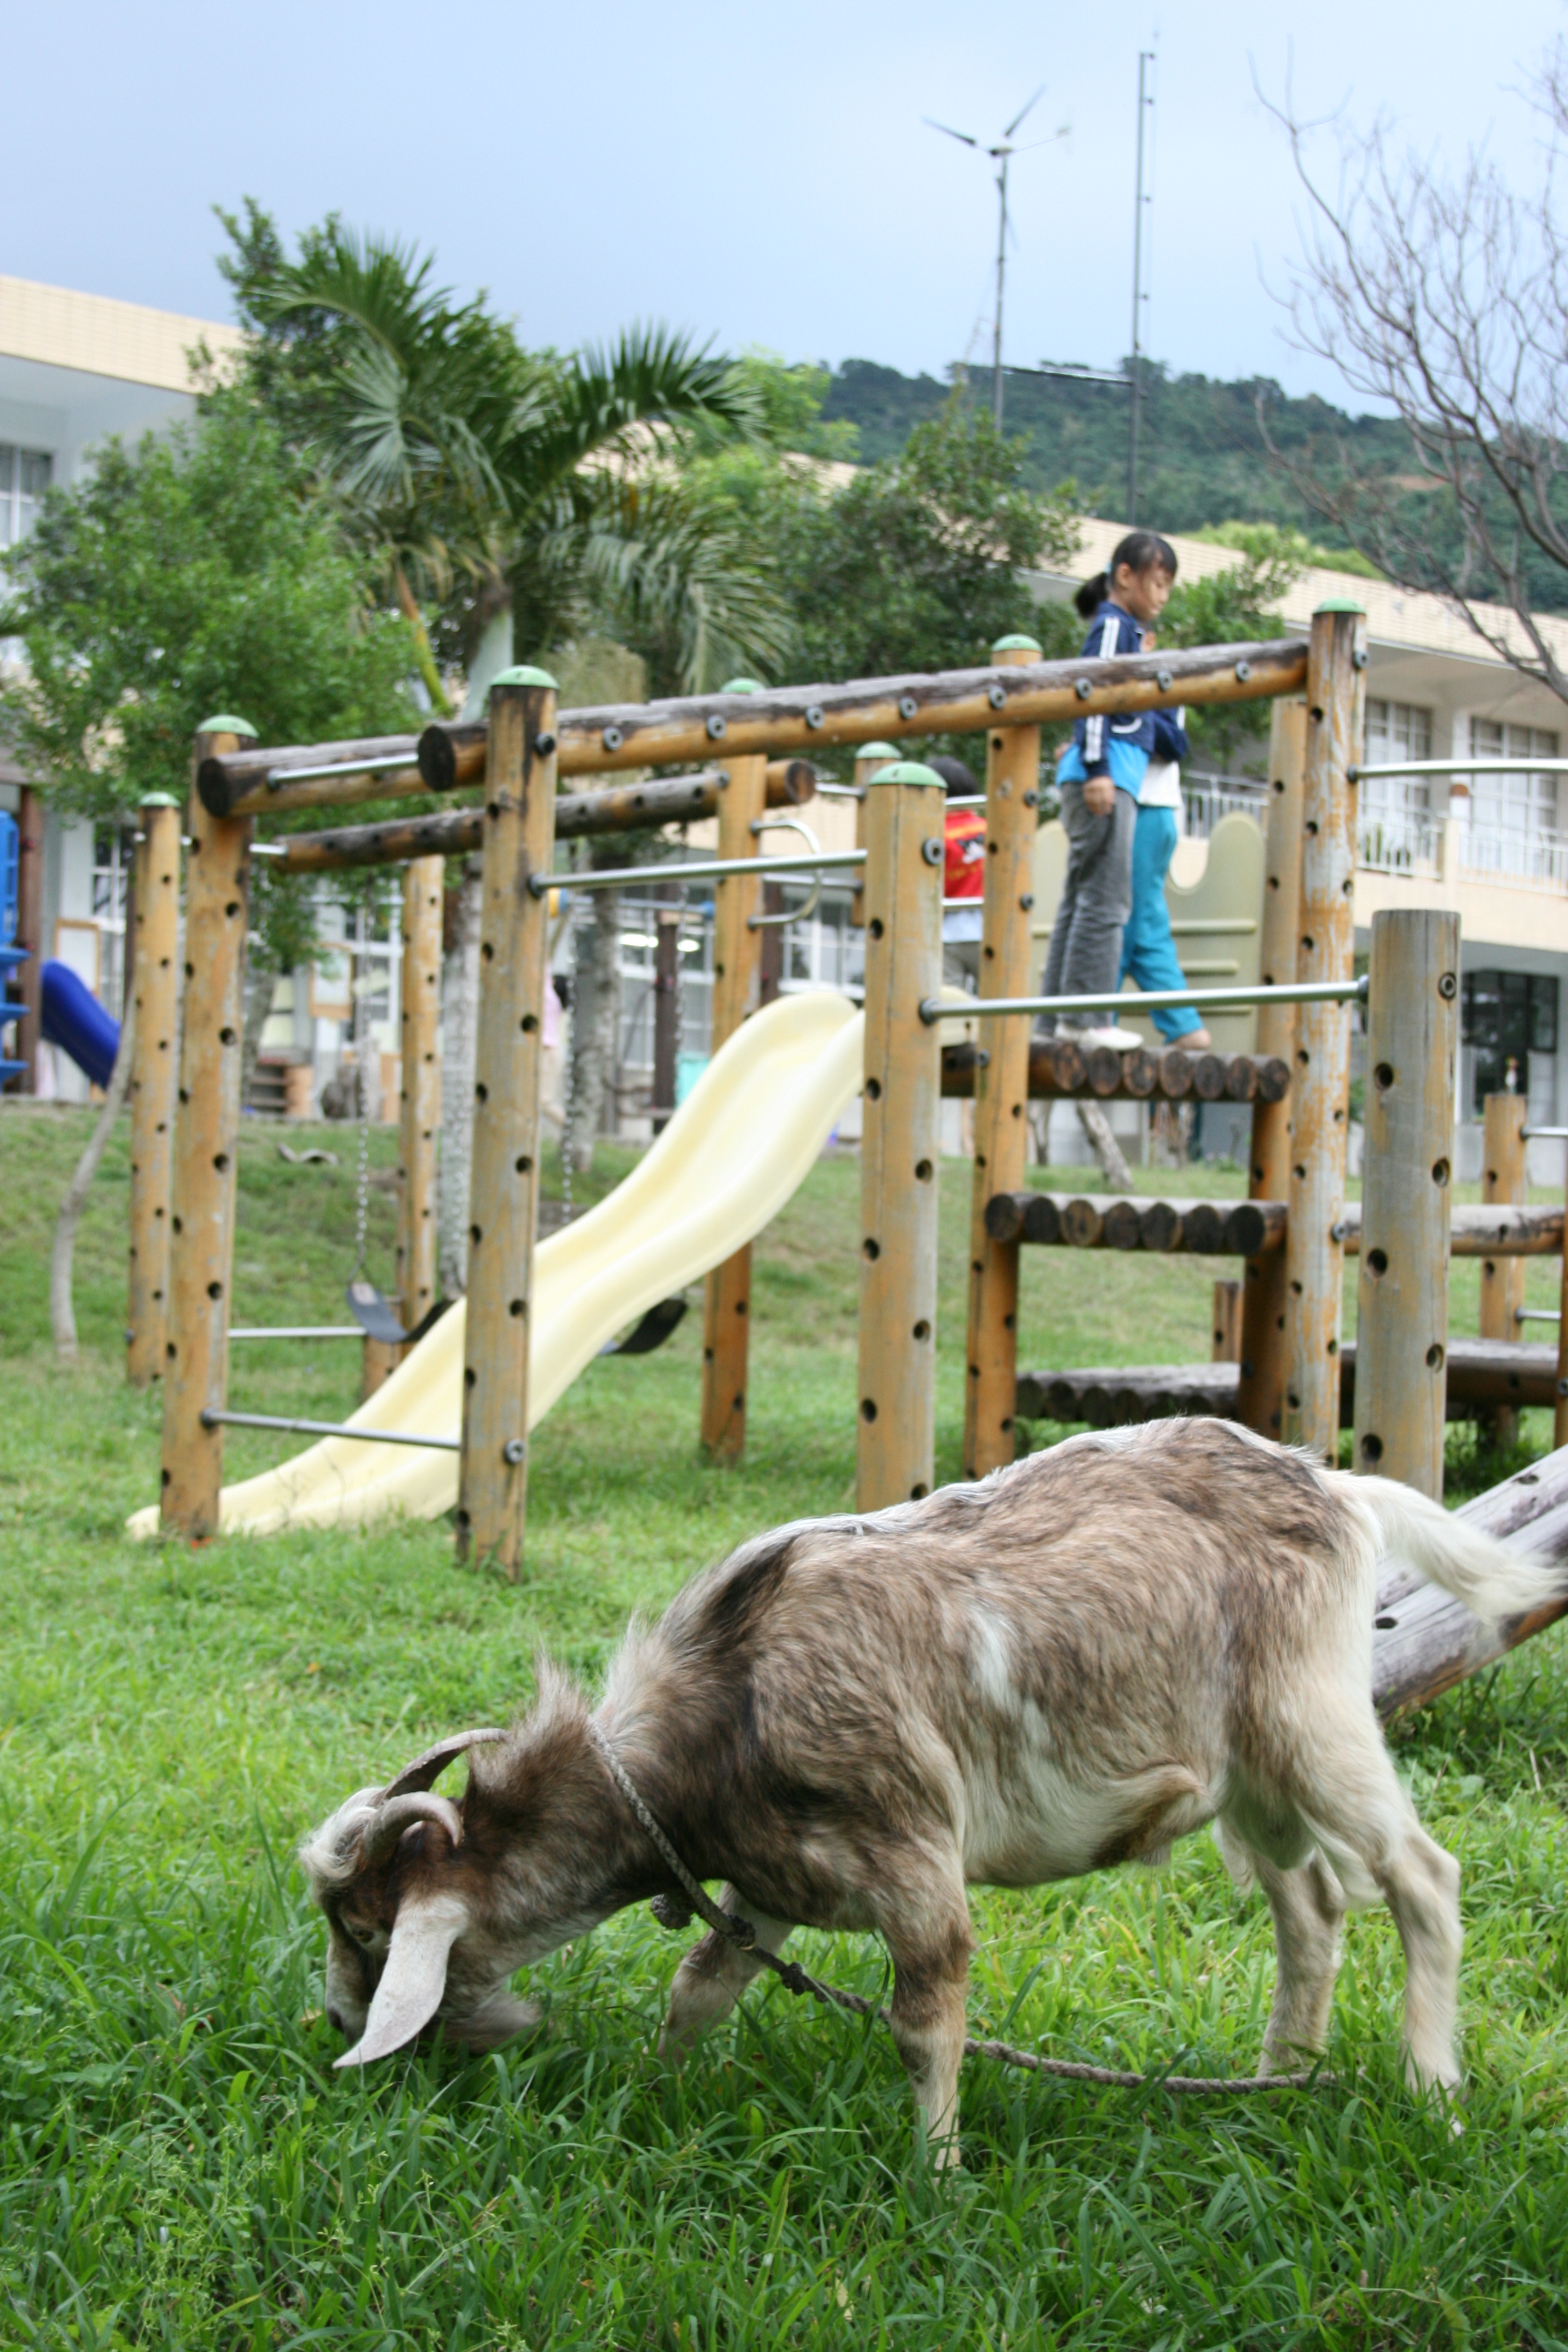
(795,1979)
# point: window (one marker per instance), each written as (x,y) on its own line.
(25,476)
(113,856)
(1513,818)
(1507,1017)
(1394,815)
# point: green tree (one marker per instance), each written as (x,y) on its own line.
(189,575)
(915,564)
(482,476)
(1237,606)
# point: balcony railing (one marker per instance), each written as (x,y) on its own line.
(1534,860)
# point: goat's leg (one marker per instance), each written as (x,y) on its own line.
(1308,1907)
(1420,1884)
(712,1977)
(929,1940)
(1358,1811)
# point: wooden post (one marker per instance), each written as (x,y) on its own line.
(206,1141)
(1401,1376)
(869,761)
(737,968)
(1320,1093)
(1502,1278)
(29,932)
(896,1455)
(1264,1354)
(1226,1347)
(1002,1083)
(665,1013)
(419,1102)
(152,985)
(519,839)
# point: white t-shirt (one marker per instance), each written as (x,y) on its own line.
(1162,784)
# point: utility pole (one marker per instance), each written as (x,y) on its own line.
(1001,273)
(1146,101)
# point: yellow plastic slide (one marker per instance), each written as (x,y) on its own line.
(735,1151)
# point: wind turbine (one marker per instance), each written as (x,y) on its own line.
(999,155)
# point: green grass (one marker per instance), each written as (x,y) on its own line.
(180,2164)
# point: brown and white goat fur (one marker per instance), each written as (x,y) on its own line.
(849,1720)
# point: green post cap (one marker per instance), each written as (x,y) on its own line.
(158,800)
(522,673)
(225,724)
(743,686)
(1017,645)
(877,751)
(1342,604)
(909,772)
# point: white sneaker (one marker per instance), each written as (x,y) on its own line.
(1121,1041)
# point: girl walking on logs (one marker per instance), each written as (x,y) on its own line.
(1099,776)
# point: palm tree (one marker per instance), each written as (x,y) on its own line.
(525,479)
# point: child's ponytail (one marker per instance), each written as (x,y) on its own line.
(1092,594)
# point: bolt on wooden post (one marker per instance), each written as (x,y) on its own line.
(1402,1345)
(1001,1081)
(154,984)
(503,1199)
(1502,1278)
(1264,1352)
(896,1452)
(1319,1085)
(736,970)
(207,1140)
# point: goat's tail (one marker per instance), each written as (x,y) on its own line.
(1490,1581)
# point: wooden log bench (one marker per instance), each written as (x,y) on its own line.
(1482,1373)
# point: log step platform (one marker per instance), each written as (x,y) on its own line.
(1240,1228)
(1060,1069)
(1482,1373)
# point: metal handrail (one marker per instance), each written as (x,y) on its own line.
(382,764)
(1462,768)
(700,869)
(791,914)
(1555,1134)
(1538,1315)
(212,1419)
(1154,999)
(298,1331)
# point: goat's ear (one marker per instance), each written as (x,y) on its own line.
(414,1979)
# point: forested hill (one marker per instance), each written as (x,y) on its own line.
(1202,460)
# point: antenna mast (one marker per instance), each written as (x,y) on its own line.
(1001,272)
(1146,101)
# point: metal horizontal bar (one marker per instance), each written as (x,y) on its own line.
(701,869)
(1538,1315)
(381,765)
(1154,999)
(211,1420)
(1462,768)
(1555,1134)
(298,1331)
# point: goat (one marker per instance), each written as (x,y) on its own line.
(1065,1667)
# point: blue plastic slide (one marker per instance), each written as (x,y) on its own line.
(75,1021)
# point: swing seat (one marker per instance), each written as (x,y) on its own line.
(375,1315)
(656,1327)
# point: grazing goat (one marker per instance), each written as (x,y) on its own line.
(1068,1665)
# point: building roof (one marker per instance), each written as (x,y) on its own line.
(96,335)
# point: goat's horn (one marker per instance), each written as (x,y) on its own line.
(425,1769)
(388,1822)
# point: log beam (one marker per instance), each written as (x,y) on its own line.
(800,719)
(1060,1070)
(1481,1374)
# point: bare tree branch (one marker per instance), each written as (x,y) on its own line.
(1444,296)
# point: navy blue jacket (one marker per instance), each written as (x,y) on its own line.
(1113,631)
(1170,735)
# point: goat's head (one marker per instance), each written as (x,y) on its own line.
(390,1870)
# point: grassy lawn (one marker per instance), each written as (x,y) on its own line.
(181,2166)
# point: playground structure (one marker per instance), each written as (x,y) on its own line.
(1293,1242)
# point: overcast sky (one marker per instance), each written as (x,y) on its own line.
(758,176)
